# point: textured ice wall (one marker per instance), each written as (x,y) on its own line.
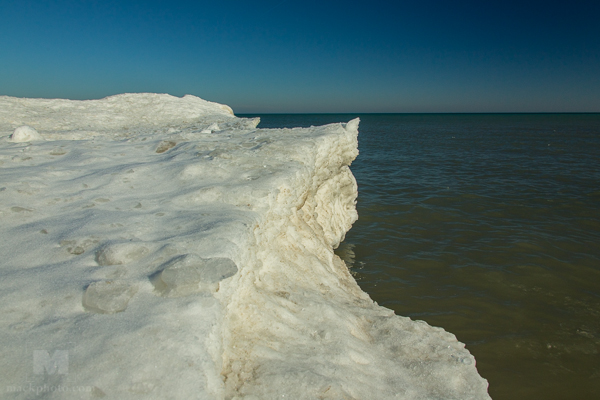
(298,326)
(175,251)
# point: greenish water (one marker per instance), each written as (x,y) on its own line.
(487,225)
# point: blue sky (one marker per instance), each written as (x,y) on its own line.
(310,56)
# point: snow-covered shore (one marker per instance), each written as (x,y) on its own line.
(160,247)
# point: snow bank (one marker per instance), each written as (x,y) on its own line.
(159,247)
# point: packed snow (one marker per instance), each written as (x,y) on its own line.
(160,247)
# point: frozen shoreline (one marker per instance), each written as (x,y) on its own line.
(176,251)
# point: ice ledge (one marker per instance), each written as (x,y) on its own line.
(175,251)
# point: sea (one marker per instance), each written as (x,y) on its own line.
(487,225)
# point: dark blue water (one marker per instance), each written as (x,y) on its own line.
(487,225)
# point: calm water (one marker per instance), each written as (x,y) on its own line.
(487,225)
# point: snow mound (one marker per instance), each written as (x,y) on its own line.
(190,274)
(164,248)
(108,297)
(25,134)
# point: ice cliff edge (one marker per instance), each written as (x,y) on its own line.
(168,249)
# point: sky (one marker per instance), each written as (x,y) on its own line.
(286,56)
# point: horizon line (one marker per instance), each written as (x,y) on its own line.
(420,113)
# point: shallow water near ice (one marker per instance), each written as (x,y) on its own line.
(487,225)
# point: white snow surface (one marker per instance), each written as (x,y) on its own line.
(165,249)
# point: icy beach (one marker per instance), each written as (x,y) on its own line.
(160,247)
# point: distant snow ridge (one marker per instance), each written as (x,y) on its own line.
(176,251)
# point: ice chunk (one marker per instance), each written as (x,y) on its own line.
(25,133)
(352,126)
(120,253)
(165,145)
(189,274)
(214,127)
(108,297)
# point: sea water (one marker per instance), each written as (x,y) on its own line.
(487,225)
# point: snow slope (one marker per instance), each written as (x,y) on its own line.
(160,247)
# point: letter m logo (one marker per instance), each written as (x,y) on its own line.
(58,363)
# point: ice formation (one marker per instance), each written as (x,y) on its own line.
(25,134)
(165,248)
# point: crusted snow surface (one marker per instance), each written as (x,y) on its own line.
(160,247)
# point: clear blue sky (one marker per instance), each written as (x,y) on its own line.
(310,55)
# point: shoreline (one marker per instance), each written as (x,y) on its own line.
(182,241)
